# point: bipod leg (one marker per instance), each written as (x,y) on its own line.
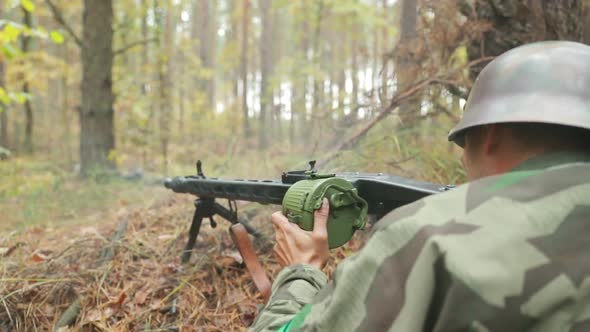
(194,231)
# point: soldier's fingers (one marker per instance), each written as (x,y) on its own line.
(279,255)
(279,221)
(320,222)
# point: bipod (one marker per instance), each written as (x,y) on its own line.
(207,207)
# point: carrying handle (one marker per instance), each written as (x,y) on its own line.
(239,236)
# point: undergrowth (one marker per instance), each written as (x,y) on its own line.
(34,191)
(37,190)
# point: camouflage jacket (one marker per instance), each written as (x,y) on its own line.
(505,253)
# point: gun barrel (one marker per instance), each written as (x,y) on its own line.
(261,191)
(168,183)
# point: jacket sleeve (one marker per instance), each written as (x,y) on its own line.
(388,285)
(294,287)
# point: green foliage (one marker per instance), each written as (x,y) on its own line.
(459,57)
(28,5)
(57,37)
(10,34)
(7,98)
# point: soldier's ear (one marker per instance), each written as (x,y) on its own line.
(492,137)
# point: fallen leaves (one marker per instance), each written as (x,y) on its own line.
(230,258)
(144,287)
(40,256)
(140,297)
(120,299)
(99,314)
(166,237)
(7,251)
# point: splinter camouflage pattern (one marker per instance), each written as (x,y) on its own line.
(544,82)
(504,253)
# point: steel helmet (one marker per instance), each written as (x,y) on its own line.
(542,82)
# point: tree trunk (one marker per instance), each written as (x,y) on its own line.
(3,113)
(318,82)
(587,24)
(67,134)
(385,48)
(299,78)
(25,46)
(277,38)
(165,81)
(232,39)
(265,71)
(331,62)
(212,49)
(293,119)
(204,29)
(375,68)
(303,89)
(244,66)
(145,129)
(181,95)
(146,47)
(3,108)
(97,137)
(518,22)
(406,66)
(355,78)
(341,74)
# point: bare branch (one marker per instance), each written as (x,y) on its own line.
(395,102)
(57,15)
(133,44)
(443,109)
(456,91)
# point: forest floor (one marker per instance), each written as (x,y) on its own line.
(110,254)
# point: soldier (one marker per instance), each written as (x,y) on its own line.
(508,251)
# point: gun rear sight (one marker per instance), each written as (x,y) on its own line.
(200,168)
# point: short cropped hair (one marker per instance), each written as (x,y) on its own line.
(550,137)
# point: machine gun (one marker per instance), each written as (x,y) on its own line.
(351,195)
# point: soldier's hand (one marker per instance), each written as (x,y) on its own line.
(297,246)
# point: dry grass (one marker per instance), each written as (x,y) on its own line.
(144,287)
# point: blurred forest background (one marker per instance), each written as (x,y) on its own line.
(252,87)
(101,99)
(150,84)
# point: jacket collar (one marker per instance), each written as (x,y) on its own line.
(552,159)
